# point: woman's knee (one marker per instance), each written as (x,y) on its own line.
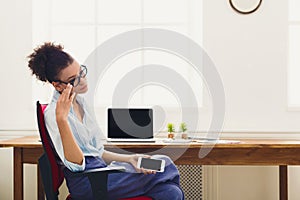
(175,192)
(167,191)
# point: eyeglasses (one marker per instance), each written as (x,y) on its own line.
(75,81)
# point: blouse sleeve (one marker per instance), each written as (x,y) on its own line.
(50,120)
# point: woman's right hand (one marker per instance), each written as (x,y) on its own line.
(64,103)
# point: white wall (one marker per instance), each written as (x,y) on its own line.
(16,106)
(250,52)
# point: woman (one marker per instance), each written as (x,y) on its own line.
(75,134)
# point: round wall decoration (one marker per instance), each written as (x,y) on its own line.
(245,6)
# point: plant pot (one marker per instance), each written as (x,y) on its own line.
(171,135)
(184,135)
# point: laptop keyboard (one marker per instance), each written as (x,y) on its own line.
(130,140)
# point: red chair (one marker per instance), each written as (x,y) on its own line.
(51,167)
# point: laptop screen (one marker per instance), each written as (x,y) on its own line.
(130,123)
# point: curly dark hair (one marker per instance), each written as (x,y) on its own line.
(48,60)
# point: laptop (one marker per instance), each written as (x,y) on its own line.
(130,125)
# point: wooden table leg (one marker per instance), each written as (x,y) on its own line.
(18,174)
(283,182)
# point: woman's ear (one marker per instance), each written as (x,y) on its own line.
(58,86)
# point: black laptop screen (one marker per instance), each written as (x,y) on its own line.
(130,123)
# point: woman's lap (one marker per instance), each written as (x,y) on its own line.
(130,183)
(135,184)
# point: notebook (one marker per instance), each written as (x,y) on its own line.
(130,125)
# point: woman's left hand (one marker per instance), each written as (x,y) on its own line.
(133,161)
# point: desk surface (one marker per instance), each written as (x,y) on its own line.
(246,152)
(34,141)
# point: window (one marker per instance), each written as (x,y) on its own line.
(83,25)
(294,58)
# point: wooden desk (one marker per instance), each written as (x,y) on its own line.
(249,152)
(25,150)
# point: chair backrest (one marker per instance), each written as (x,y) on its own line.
(52,173)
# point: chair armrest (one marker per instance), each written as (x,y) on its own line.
(98,179)
(108,169)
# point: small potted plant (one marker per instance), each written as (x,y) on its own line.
(183,129)
(171,131)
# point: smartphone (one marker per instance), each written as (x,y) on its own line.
(151,164)
(71,92)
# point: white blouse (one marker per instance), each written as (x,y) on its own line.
(86,134)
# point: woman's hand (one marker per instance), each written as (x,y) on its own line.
(108,157)
(133,161)
(64,103)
